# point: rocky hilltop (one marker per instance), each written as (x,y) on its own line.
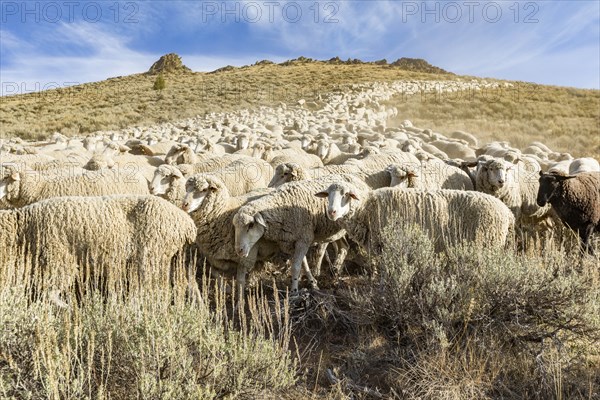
(168,63)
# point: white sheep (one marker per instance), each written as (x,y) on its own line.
(292,218)
(449,217)
(431,173)
(516,185)
(586,164)
(169,183)
(62,236)
(20,188)
(212,208)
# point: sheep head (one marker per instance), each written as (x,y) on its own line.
(496,173)
(10,181)
(165,176)
(198,188)
(549,183)
(249,228)
(284,173)
(339,196)
(402,175)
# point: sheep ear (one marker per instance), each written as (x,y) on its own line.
(177,174)
(322,194)
(260,220)
(541,173)
(353,195)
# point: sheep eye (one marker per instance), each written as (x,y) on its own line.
(250,225)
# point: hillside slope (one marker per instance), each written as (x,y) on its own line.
(566,119)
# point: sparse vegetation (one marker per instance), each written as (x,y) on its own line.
(159,83)
(469,324)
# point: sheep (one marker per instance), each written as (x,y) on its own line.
(212,164)
(290,217)
(576,200)
(243,176)
(169,183)
(431,173)
(586,164)
(292,172)
(64,235)
(212,208)
(330,153)
(449,217)
(181,154)
(559,167)
(454,149)
(515,185)
(26,187)
(276,157)
(469,138)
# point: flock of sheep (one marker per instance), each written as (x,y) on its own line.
(248,185)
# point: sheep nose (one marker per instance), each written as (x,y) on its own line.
(501,181)
(185,206)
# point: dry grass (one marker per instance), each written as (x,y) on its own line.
(467,324)
(566,119)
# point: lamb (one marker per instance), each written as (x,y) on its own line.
(66,235)
(276,218)
(23,188)
(515,186)
(576,200)
(449,217)
(212,208)
(169,183)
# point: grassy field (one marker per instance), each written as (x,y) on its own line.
(566,119)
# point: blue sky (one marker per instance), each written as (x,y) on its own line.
(46,44)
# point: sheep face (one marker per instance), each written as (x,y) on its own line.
(10,181)
(248,231)
(243,142)
(548,185)
(174,153)
(284,173)
(164,177)
(339,199)
(322,149)
(196,191)
(497,173)
(400,175)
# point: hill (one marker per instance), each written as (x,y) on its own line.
(566,119)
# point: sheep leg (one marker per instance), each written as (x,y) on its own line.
(341,255)
(321,249)
(244,266)
(309,275)
(585,234)
(299,253)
